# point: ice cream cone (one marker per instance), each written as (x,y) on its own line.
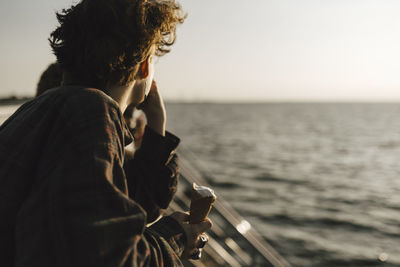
(202,199)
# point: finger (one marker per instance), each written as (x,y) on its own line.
(173,162)
(197,254)
(202,241)
(153,86)
(153,95)
(203,226)
(173,171)
(172,159)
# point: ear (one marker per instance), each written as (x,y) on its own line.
(144,68)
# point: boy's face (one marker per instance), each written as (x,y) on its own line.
(141,87)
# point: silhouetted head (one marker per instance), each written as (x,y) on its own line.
(50,78)
(102,42)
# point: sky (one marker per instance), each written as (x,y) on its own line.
(241,51)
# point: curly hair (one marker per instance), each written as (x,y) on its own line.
(102,41)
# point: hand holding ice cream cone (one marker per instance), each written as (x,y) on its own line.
(202,199)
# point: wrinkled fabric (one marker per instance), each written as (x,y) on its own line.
(157,165)
(64,195)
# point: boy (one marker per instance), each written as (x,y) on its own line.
(66,198)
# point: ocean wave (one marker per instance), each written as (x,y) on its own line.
(336,261)
(271,178)
(321,222)
(225,185)
(303,252)
(327,169)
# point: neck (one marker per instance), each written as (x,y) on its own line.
(121,94)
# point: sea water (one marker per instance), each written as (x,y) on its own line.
(320,182)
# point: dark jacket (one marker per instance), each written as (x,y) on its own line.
(65,198)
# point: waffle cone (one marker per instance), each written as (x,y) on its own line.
(200,206)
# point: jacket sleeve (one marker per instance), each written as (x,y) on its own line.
(98,224)
(153,172)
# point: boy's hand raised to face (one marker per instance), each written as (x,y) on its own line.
(153,107)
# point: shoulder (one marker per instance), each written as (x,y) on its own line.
(76,96)
(82,97)
(85,110)
(81,104)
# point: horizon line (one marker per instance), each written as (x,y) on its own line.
(246,101)
(283,101)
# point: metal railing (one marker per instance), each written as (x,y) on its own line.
(232,240)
